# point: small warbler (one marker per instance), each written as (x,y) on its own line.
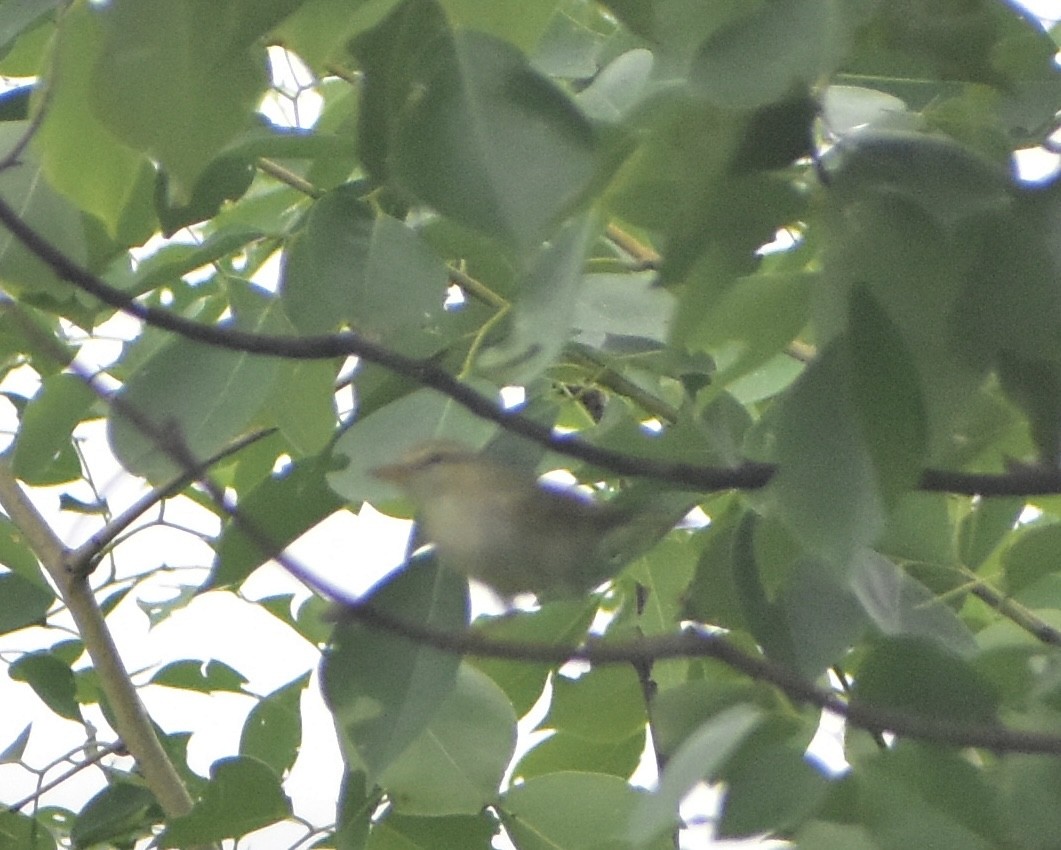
(499,525)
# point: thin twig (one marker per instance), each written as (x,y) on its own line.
(131,720)
(1016,613)
(95,758)
(83,559)
(288,177)
(14,155)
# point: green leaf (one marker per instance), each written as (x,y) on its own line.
(457,763)
(763,616)
(29,333)
(822,616)
(477,139)
(1032,556)
(560,623)
(886,397)
(303,405)
(243,795)
(900,605)
(355,809)
(753,321)
(665,572)
(188,396)
(120,813)
(16,555)
(618,87)
(177,80)
(544,308)
(820,452)
(350,265)
(613,305)
(985,527)
(605,704)
(563,751)
(403,832)
(117,188)
(48,421)
(19,832)
(272,732)
(47,212)
(574,810)
(771,791)
(22,602)
(171,262)
(1029,785)
(803,38)
(157,612)
(19,18)
(224,179)
(522,24)
(318,29)
(847,108)
(206,677)
(388,54)
(288,505)
(699,757)
(824,835)
(947,180)
(932,797)
(51,679)
(714,596)
(917,675)
(384,689)
(13,752)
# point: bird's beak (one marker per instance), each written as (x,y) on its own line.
(394,473)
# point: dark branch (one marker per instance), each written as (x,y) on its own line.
(641,652)
(699,644)
(750,475)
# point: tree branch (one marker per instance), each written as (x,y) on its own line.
(643,652)
(1015,612)
(700,644)
(82,560)
(95,758)
(131,720)
(749,475)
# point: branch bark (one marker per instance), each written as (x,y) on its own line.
(131,720)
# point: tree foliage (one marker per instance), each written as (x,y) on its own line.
(775,257)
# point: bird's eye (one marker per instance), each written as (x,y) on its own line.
(434,458)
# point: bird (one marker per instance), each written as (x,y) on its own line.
(496,523)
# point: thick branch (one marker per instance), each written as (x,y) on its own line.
(130,718)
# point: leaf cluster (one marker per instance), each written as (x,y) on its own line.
(779,246)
